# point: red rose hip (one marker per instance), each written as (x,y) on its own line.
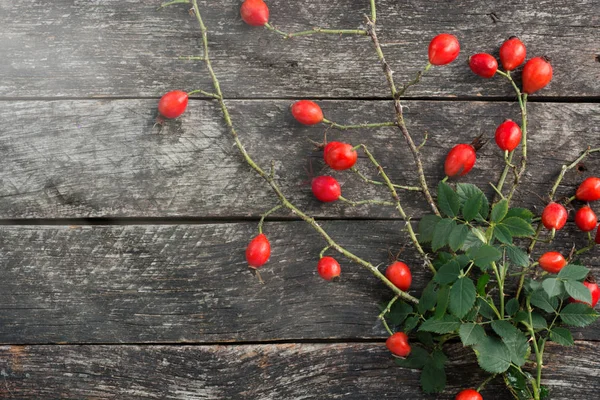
(307,112)
(597,238)
(398,344)
(586,219)
(512,53)
(589,190)
(460,160)
(254,12)
(537,73)
(328,268)
(594,291)
(554,216)
(326,188)
(508,135)
(552,262)
(173,104)
(484,65)
(258,251)
(399,274)
(469,394)
(339,156)
(443,49)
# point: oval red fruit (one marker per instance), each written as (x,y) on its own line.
(483,64)
(328,268)
(326,188)
(586,219)
(398,344)
(508,135)
(258,251)
(537,73)
(469,394)
(589,190)
(339,156)
(173,103)
(307,112)
(552,262)
(512,53)
(554,216)
(443,49)
(399,274)
(460,160)
(597,239)
(255,12)
(594,291)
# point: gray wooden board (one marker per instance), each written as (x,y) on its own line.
(116,48)
(283,371)
(104,158)
(190,283)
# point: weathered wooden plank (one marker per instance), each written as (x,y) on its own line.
(104,158)
(117,48)
(189,283)
(285,371)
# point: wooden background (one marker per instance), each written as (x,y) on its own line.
(122,273)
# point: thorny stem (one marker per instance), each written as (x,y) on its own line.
(313,31)
(358,126)
(271,181)
(373,182)
(416,80)
(384,313)
(523,105)
(265,215)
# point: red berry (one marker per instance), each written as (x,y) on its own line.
(483,64)
(460,160)
(258,251)
(307,112)
(399,274)
(255,12)
(537,73)
(597,239)
(589,190)
(398,344)
(586,219)
(173,103)
(443,49)
(508,135)
(552,262)
(328,268)
(512,53)
(554,216)
(326,188)
(339,156)
(469,394)
(594,291)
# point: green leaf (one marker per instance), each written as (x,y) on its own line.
(417,358)
(517,256)
(442,258)
(493,355)
(425,338)
(522,213)
(428,298)
(484,255)
(471,334)
(467,191)
(399,312)
(574,272)
(511,307)
(554,287)
(427,226)
(448,273)
(443,298)
(485,309)
(471,207)
(410,323)
(539,322)
(578,314)
(433,378)
(541,300)
(502,234)
(482,283)
(561,336)
(448,200)
(499,211)
(442,233)
(517,382)
(514,339)
(458,236)
(462,296)
(518,227)
(578,291)
(472,240)
(446,324)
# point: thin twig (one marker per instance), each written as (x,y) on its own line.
(340,127)
(374,182)
(314,31)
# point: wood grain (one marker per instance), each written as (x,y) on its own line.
(129,49)
(284,371)
(103,158)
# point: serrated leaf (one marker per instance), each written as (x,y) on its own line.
(471,206)
(578,314)
(443,299)
(517,383)
(499,211)
(448,200)
(433,378)
(399,312)
(553,286)
(511,307)
(492,355)
(442,258)
(514,339)
(518,227)
(428,298)
(458,236)
(574,272)
(448,273)
(485,309)
(578,291)
(482,283)
(426,227)
(471,241)
(462,296)
(410,323)
(517,256)
(446,324)
(541,300)
(466,191)
(502,234)
(442,233)
(539,322)
(471,334)
(484,255)
(561,336)
(416,359)
(518,212)
(425,338)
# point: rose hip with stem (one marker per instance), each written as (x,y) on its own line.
(328,268)
(589,190)
(443,49)
(483,64)
(586,219)
(307,112)
(399,274)
(512,53)
(552,262)
(469,394)
(254,12)
(554,216)
(172,104)
(326,188)
(460,160)
(340,156)
(537,73)
(508,135)
(398,344)
(258,251)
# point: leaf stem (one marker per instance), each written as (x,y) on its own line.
(313,31)
(371,181)
(208,94)
(265,215)
(500,280)
(357,126)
